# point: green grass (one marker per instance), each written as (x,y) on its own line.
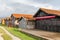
(2,24)
(21,35)
(4,35)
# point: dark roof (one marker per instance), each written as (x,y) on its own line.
(49,11)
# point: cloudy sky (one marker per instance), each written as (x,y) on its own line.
(7,7)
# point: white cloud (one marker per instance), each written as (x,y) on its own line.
(4,7)
(35,4)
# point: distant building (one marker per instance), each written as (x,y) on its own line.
(26,22)
(16,17)
(3,21)
(0,20)
(7,19)
(47,19)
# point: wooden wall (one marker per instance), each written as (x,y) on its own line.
(52,24)
(48,24)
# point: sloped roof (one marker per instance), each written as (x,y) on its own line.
(27,16)
(49,11)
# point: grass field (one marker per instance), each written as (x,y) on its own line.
(4,35)
(21,35)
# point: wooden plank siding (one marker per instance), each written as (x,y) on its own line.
(13,19)
(50,24)
(26,24)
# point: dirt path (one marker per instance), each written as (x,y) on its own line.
(43,34)
(13,37)
(1,38)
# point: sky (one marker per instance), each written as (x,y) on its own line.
(7,7)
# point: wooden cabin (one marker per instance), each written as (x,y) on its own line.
(8,21)
(16,17)
(47,19)
(26,22)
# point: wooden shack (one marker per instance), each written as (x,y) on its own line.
(26,22)
(47,19)
(7,20)
(16,18)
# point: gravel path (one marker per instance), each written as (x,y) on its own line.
(12,36)
(1,38)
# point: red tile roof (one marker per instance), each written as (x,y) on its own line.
(27,16)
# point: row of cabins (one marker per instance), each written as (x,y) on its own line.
(44,19)
(24,21)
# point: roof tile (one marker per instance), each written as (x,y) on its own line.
(27,16)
